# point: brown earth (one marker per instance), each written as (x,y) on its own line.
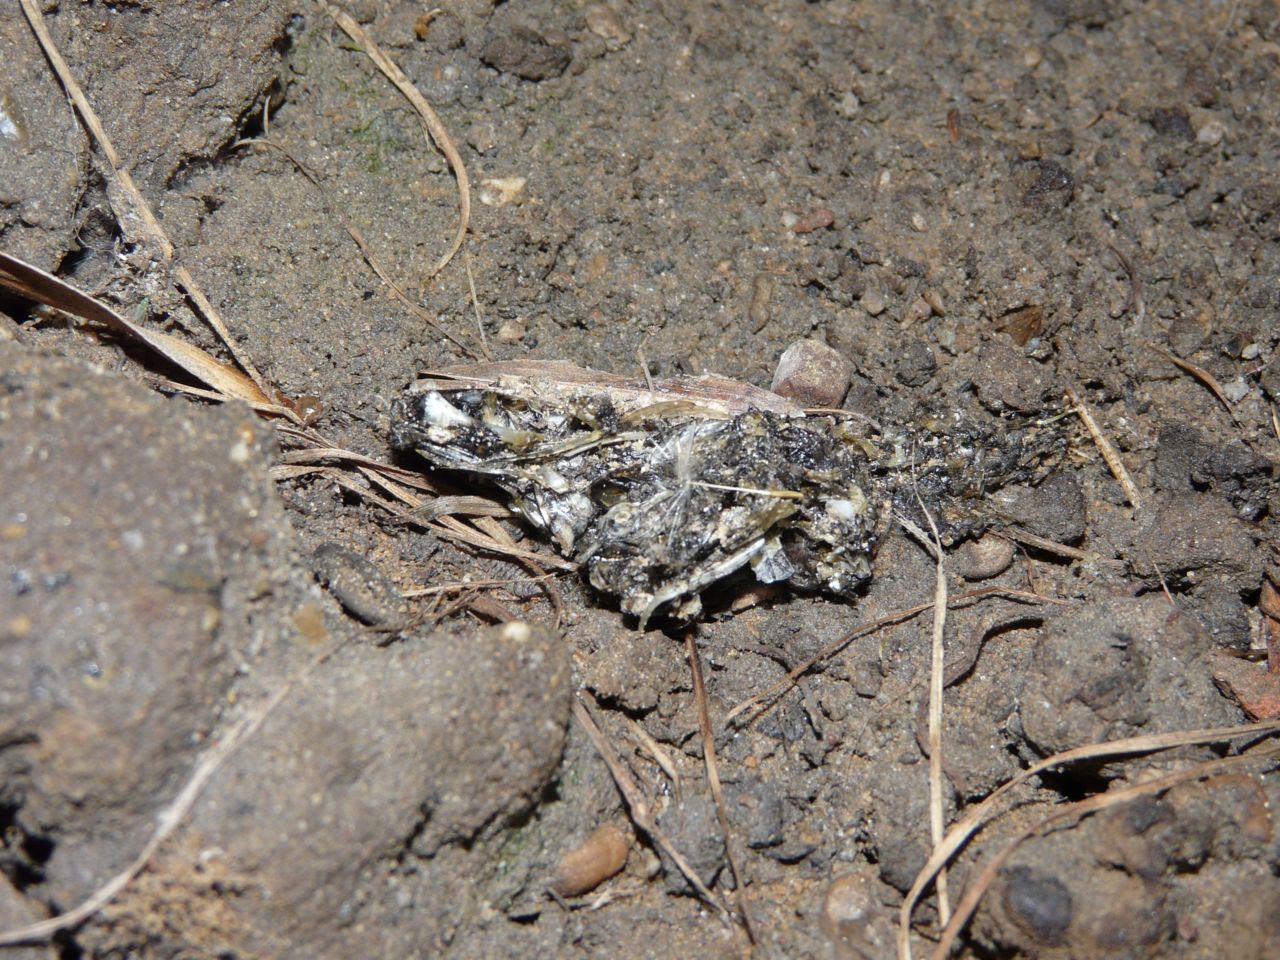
(984,201)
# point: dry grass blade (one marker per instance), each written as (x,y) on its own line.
(164,384)
(936,670)
(1108,451)
(317,451)
(641,812)
(660,756)
(713,779)
(475,304)
(136,221)
(462,506)
(227,382)
(435,127)
(1076,811)
(458,586)
(1201,374)
(964,829)
(447,528)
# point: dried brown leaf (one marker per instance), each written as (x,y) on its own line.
(228,382)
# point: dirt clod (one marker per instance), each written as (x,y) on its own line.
(526,53)
(1039,904)
(1106,670)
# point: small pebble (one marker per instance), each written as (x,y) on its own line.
(1236,390)
(592,862)
(854,920)
(527,53)
(818,219)
(988,556)
(500,191)
(511,331)
(604,22)
(1211,133)
(812,374)
(918,310)
(758,309)
(873,302)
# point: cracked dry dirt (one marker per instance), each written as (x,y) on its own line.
(988,201)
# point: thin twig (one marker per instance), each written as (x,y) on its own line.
(641,810)
(936,669)
(385,276)
(475,304)
(332,206)
(831,649)
(1029,539)
(644,365)
(457,586)
(1136,301)
(1108,451)
(660,755)
(713,779)
(1076,811)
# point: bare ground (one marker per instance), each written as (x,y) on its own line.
(992,201)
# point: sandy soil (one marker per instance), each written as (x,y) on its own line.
(976,203)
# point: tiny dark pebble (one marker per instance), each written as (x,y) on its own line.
(900,860)
(757,810)
(1039,904)
(1046,185)
(358,585)
(914,363)
(1172,122)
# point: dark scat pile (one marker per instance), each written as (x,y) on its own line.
(660,503)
